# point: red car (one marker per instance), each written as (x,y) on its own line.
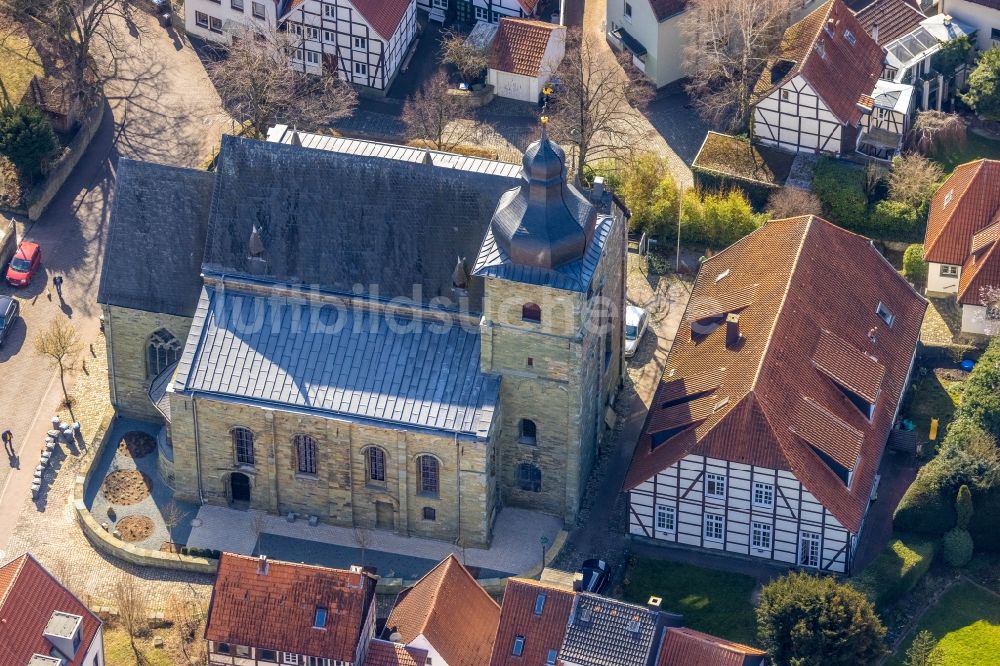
(25,264)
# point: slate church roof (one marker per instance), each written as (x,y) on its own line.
(156,237)
(338,221)
(345,361)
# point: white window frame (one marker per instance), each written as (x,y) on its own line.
(312,33)
(440,4)
(711,522)
(668,524)
(627,12)
(813,538)
(312,57)
(482,14)
(948,270)
(215,24)
(329,36)
(236,4)
(201,19)
(330,11)
(761,535)
(885,314)
(253,10)
(296,29)
(289,659)
(717,481)
(360,43)
(360,69)
(763,494)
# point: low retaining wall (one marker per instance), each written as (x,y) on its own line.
(108,544)
(474,99)
(38,200)
(8,244)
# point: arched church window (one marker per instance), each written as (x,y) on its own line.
(162,351)
(305,454)
(429,470)
(531,312)
(527,431)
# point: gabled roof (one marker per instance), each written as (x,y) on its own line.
(386,653)
(779,407)
(542,631)
(520,44)
(451,611)
(607,632)
(818,48)
(29,595)
(980,279)
(156,238)
(664,9)
(382,15)
(967,203)
(276,609)
(894,18)
(687,647)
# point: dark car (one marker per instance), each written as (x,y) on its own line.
(9,311)
(596,575)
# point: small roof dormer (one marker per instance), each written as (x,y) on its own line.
(545,222)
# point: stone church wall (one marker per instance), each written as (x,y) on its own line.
(127,332)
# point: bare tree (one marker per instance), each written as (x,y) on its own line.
(73,36)
(468,59)
(437,115)
(792,202)
(364,538)
(262,81)
(934,132)
(727,43)
(61,344)
(129,595)
(913,179)
(172,516)
(595,107)
(185,617)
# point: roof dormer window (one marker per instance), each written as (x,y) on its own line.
(539,604)
(849,36)
(948,197)
(319,621)
(885,314)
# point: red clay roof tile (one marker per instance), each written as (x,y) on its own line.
(964,205)
(276,609)
(386,653)
(894,18)
(812,277)
(449,609)
(519,45)
(687,647)
(541,632)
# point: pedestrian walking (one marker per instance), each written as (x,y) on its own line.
(57,281)
(8,442)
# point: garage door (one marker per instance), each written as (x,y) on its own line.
(513,86)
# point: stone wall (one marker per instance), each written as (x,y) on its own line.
(8,244)
(339,492)
(126,333)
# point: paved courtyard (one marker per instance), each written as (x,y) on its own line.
(516,543)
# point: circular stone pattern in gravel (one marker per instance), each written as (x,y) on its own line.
(127,486)
(137,444)
(134,528)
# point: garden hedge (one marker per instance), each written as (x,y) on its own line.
(896,570)
(986,531)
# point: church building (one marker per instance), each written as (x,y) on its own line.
(365,334)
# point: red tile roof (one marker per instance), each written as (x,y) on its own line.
(28,596)
(894,18)
(964,205)
(519,46)
(528,6)
(385,653)
(276,610)
(451,611)
(687,647)
(839,72)
(542,632)
(816,284)
(664,9)
(980,279)
(384,16)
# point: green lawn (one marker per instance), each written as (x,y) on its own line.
(712,601)
(975,147)
(118,649)
(966,623)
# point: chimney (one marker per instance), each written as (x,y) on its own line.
(654,603)
(598,190)
(732,329)
(875,33)
(873,335)
(262,565)
(578,582)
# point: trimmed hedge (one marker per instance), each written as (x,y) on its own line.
(986,531)
(924,509)
(957,547)
(896,570)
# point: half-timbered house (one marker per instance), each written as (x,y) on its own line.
(765,435)
(812,95)
(471,11)
(364,41)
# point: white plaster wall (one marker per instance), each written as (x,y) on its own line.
(941,285)
(224,11)
(984,19)
(794,118)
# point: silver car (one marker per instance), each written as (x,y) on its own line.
(636,320)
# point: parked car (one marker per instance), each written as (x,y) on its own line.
(636,320)
(596,575)
(9,311)
(25,264)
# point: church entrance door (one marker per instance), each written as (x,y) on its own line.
(239,487)
(383,516)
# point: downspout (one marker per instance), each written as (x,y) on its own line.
(111,356)
(274,457)
(197,447)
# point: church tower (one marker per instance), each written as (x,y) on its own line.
(552,328)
